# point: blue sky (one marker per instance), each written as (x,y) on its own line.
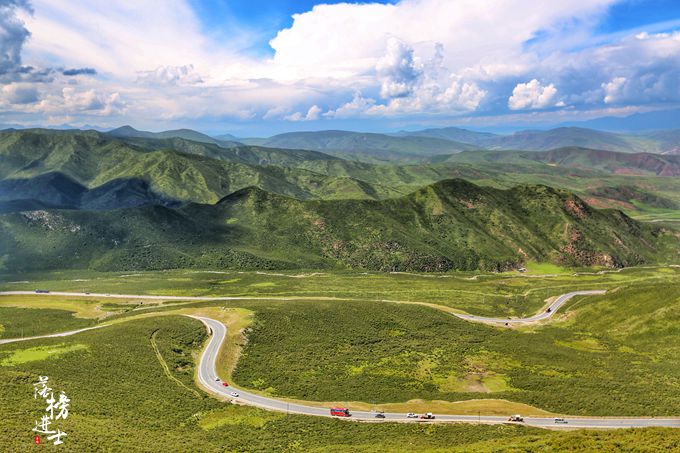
(636,13)
(258,67)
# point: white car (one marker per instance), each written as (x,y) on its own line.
(411,415)
(234,394)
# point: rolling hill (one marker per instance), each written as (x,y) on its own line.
(452,224)
(196,172)
(452,133)
(187,134)
(582,158)
(365,146)
(569,137)
(423,145)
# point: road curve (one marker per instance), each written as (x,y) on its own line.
(207,376)
(543,315)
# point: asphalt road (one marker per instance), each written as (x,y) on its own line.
(545,314)
(207,374)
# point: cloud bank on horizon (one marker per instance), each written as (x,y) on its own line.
(159,64)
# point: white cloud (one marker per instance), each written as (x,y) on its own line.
(413,57)
(358,106)
(397,70)
(612,89)
(19,93)
(91,100)
(312,114)
(171,75)
(532,95)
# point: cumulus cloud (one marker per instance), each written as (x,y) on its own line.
(14,34)
(397,70)
(532,95)
(636,69)
(19,93)
(612,89)
(407,58)
(312,114)
(358,106)
(409,86)
(90,101)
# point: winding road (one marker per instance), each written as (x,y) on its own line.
(207,376)
(540,316)
(209,380)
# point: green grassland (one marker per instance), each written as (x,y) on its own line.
(614,354)
(122,400)
(488,294)
(28,322)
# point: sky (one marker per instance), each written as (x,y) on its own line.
(260,67)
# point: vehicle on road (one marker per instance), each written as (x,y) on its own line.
(548,310)
(42,291)
(226,384)
(340,412)
(217,379)
(411,415)
(427,416)
(234,394)
(516,418)
(560,420)
(379,414)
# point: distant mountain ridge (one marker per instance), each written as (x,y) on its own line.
(187,134)
(452,224)
(451,133)
(174,169)
(643,122)
(369,146)
(423,145)
(582,158)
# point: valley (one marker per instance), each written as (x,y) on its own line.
(474,286)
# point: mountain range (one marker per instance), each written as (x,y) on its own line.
(452,224)
(155,201)
(424,145)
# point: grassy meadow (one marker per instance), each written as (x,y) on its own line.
(122,400)
(334,337)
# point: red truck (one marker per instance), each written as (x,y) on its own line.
(340,412)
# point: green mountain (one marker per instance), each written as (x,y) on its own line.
(581,158)
(187,134)
(452,224)
(424,145)
(452,133)
(48,169)
(660,142)
(571,137)
(227,137)
(365,146)
(196,172)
